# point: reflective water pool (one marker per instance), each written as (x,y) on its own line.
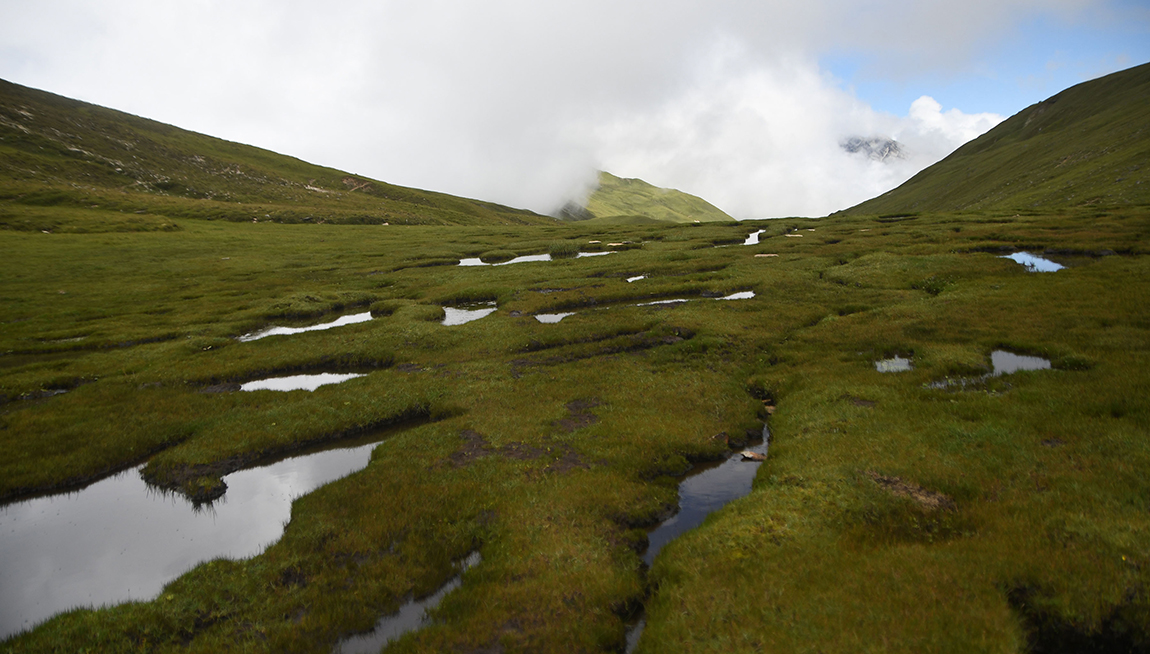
(1034,263)
(753,238)
(455,316)
(120,539)
(282,331)
(894,364)
(298,382)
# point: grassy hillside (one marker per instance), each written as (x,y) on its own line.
(1088,145)
(60,153)
(627,201)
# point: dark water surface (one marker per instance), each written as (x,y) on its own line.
(706,489)
(120,539)
(412,615)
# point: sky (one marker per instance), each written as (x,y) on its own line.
(743,103)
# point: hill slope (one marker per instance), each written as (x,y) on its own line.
(1088,145)
(632,200)
(60,152)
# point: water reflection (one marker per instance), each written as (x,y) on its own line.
(636,278)
(705,490)
(298,382)
(410,616)
(1007,362)
(476,261)
(895,364)
(282,331)
(1034,263)
(551,318)
(753,239)
(120,540)
(453,316)
(744,295)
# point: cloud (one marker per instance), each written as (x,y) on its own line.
(518,101)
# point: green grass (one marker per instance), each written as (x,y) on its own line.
(819,556)
(634,202)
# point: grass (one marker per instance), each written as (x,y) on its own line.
(635,202)
(820,555)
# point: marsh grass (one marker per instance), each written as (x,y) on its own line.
(583,426)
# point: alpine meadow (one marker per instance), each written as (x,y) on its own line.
(949,447)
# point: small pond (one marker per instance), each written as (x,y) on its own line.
(1007,362)
(298,382)
(283,331)
(753,239)
(120,539)
(412,615)
(551,318)
(743,295)
(455,316)
(1002,362)
(1034,263)
(894,364)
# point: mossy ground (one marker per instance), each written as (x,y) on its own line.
(546,446)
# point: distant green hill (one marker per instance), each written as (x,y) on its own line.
(1088,145)
(633,201)
(57,152)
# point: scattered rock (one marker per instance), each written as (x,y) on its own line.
(752,456)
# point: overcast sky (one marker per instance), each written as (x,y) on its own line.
(519,101)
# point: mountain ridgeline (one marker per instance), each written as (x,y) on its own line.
(57,153)
(619,200)
(1086,146)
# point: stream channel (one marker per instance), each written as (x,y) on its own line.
(120,539)
(705,489)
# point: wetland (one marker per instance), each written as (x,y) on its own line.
(543,418)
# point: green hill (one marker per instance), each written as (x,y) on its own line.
(633,201)
(56,152)
(1088,145)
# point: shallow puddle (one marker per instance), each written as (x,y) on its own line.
(706,489)
(1003,363)
(895,364)
(282,331)
(744,295)
(120,539)
(298,382)
(454,316)
(1007,362)
(1034,263)
(551,318)
(476,261)
(412,615)
(753,239)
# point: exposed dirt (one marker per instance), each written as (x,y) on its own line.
(929,499)
(579,415)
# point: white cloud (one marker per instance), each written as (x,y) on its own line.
(517,101)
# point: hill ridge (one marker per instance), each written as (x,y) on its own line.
(1086,145)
